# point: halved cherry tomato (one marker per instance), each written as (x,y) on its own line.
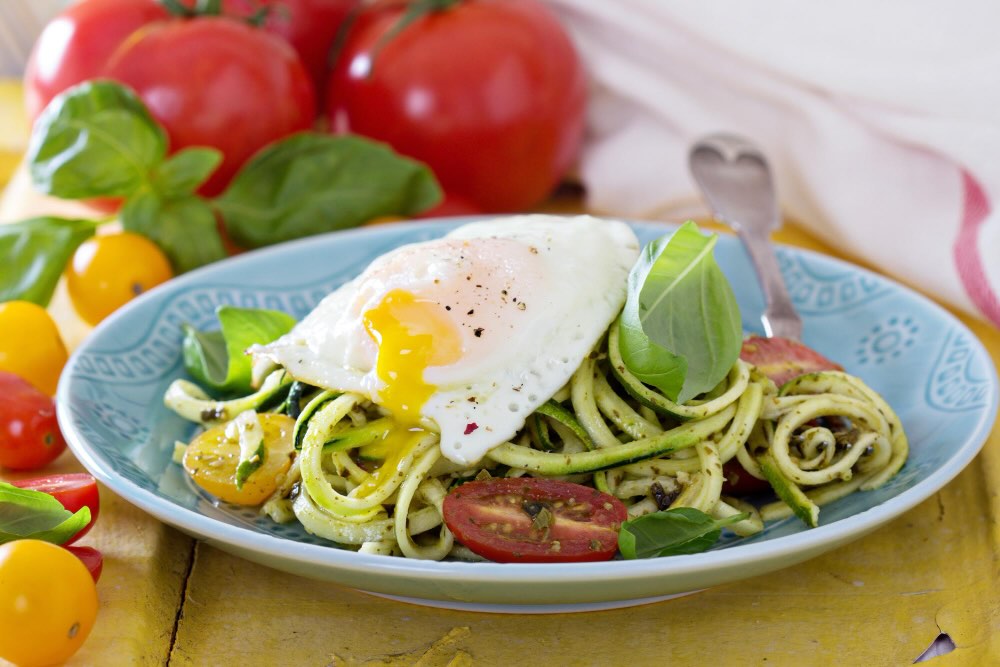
(29,433)
(212,458)
(73,490)
(30,344)
(738,482)
(110,270)
(48,603)
(528,520)
(782,359)
(91,558)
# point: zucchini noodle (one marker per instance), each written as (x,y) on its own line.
(365,482)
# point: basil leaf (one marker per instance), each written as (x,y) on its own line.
(185,170)
(27,513)
(184,228)
(95,139)
(680,329)
(682,530)
(217,359)
(34,253)
(311,183)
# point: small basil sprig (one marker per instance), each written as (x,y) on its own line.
(673,532)
(33,253)
(25,513)
(98,139)
(216,359)
(680,330)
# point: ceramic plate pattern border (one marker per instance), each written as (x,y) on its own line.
(929,367)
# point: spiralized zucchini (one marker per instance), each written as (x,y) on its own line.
(822,436)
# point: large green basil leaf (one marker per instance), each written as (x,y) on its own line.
(96,139)
(185,170)
(184,228)
(682,530)
(25,513)
(217,359)
(34,253)
(680,329)
(311,183)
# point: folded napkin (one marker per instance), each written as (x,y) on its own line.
(881,121)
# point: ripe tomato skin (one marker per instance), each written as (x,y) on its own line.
(738,482)
(92,559)
(217,82)
(29,433)
(489,93)
(30,344)
(451,205)
(72,490)
(76,45)
(110,270)
(310,26)
(491,518)
(48,603)
(783,359)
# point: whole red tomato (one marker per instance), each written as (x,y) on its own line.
(76,45)
(29,433)
(213,81)
(310,26)
(489,93)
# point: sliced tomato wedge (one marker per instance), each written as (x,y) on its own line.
(783,359)
(528,520)
(91,557)
(73,490)
(738,482)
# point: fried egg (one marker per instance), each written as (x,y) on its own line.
(470,333)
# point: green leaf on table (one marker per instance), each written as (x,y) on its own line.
(25,513)
(34,253)
(185,170)
(673,532)
(311,183)
(680,329)
(184,228)
(96,139)
(217,359)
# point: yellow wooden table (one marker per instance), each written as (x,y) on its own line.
(168,599)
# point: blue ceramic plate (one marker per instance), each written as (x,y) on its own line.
(928,366)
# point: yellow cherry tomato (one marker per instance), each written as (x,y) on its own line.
(30,344)
(48,603)
(212,458)
(110,270)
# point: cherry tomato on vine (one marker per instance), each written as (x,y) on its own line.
(217,82)
(30,344)
(529,520)
(211,460)
(29,433)
(91,558)
(48,603)
(76,45)
(108,271)
(72,490)
(489,93)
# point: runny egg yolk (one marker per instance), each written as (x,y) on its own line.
(412,334)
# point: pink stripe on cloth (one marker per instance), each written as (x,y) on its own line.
(968,259)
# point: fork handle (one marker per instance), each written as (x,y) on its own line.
(779,318)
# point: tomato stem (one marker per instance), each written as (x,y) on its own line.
(414,10)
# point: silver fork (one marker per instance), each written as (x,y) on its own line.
(734,177)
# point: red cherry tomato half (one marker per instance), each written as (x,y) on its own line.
(783,359)
(29,433)
(92,558)
(489,93)
(217,82)
(738,482)
(76,45)
(73,490)
(527,520)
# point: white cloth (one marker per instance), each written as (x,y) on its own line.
(881,121)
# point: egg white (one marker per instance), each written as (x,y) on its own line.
(528,297)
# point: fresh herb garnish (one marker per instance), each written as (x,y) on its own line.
(33,253)
(25,513)
(217,359)
(682,530)
(680,329)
